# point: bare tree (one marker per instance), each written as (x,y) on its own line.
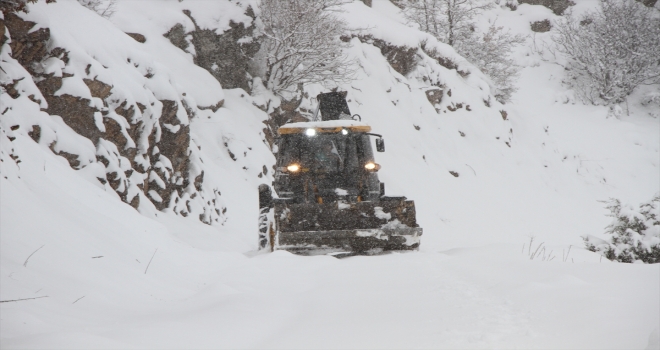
(448,20)
(452,22)
(301,43)
(105,8)
(491,52)
(610,51)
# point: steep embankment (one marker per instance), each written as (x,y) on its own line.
(485,178)
(117,107)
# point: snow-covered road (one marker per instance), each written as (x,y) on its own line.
(488,297)
(116,279)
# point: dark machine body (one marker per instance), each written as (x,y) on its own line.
(329,198)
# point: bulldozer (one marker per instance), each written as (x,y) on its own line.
(329,199)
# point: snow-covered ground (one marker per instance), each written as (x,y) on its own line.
(104,276)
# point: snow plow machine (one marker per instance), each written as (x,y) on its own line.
(329,199)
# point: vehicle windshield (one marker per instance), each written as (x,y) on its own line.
(324,153)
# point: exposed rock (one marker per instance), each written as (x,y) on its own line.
(541,26)
(403,59)
(177,36)
(75,111)
(434,95)
(138,37)
(127,113)
(455,106)
(115,181)
(198,181)
(34,99)
(11,89)
(189,109)
(3,30)
(174,146)
(287,112)
(225,56)
(27,47)
(367,2)
(113,133)
(35,134)
(278,118)
(557,6)
(135,203)
(215,107)
(443,61)
(168,114)
(71,158)
(98,88)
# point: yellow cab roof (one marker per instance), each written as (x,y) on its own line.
(328,126)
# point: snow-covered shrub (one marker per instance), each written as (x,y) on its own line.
(452,22)
(610,51)
(635,233)
(105,8)
(301,43)
(491,52)
(651,98)
(511,4)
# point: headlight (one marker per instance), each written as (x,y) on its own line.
(371,166)
(344,132)
(293,168)
(310,132)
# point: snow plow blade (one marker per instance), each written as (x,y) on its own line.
(357,228)
(371,241)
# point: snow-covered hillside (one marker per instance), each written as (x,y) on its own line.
(120,117)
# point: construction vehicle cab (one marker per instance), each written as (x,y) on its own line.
(329,198)
(326,161)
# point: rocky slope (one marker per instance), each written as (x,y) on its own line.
(116,99)
(94,96)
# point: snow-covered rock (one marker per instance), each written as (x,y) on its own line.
(127,109)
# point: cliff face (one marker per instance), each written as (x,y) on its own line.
(226,55)
(130,115)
